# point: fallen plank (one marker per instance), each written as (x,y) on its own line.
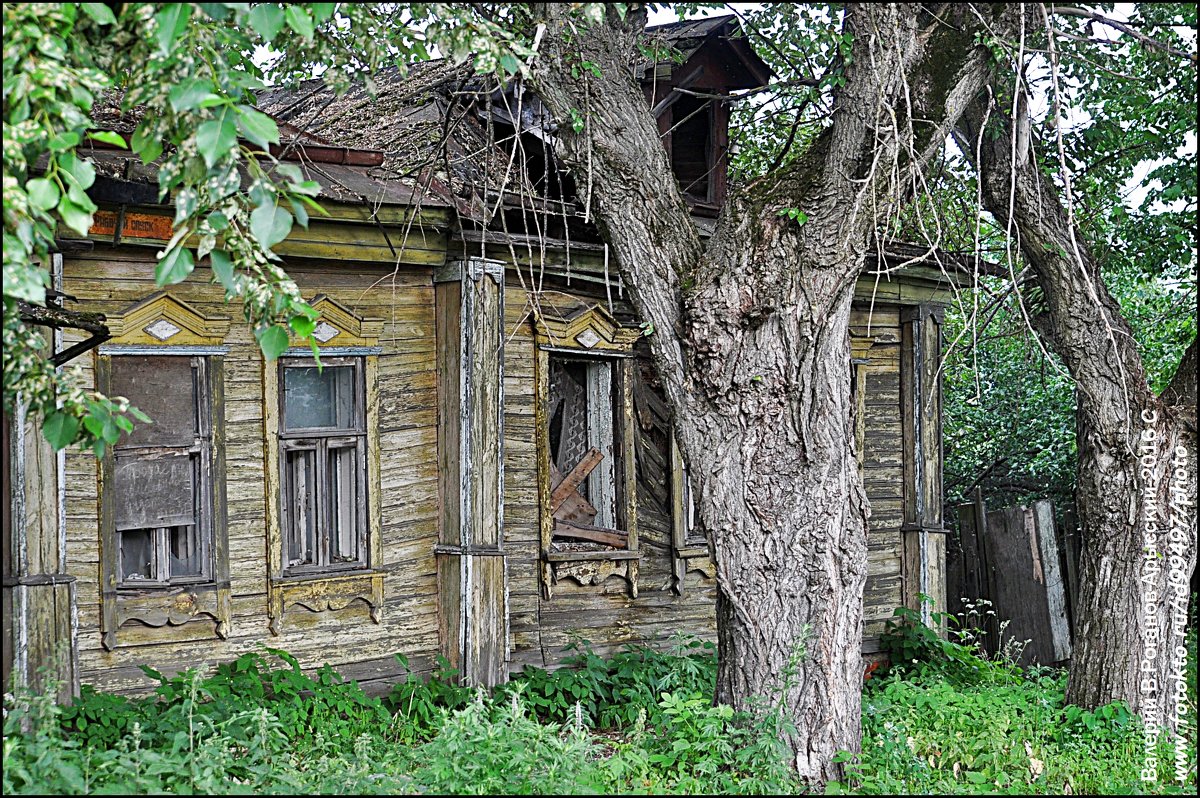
(595,534)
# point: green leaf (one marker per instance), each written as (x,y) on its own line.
(216,138)
(273,341)
(175,267)
(190,92)
(74,216)
(299,21)
(172,21)
(81,170)
(60,429)
(267,20)
(322,11)
(63,141)
(222,267)
(270,224)
(146,144)
(99,12)
(43,193)
(109,137)
(257,126)
(302,326)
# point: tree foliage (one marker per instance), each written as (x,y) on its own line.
(188,72)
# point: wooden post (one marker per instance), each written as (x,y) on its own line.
(39,596)
(1070,540)
(472,573)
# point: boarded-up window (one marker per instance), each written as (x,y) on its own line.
(586,496)
(160,475)
(323,459)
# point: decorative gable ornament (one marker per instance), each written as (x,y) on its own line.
(593,329)
(324,331)
(161,318)
(339,325)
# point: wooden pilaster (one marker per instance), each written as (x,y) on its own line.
(472,574)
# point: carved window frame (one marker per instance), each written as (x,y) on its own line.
(591,334)
(159,326)
(340,336)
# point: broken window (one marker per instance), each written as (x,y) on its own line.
(691,145)
(322,444)
(586,497)
(160,478)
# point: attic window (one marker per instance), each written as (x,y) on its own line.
(691,145)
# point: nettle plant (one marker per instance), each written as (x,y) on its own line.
(186,72)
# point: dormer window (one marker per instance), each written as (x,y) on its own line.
(692,150)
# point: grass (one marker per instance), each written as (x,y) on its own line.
(639,722)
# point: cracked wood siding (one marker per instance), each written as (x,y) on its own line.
(111,280)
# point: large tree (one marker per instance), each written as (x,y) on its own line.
(1136,477)
(752,328)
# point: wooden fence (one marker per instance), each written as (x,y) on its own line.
(1014,559)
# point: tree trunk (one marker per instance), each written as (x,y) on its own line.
(752,335)
(1136,479)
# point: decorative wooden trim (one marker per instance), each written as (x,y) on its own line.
(327,590)
(339,327)
(161,319)
(591,330)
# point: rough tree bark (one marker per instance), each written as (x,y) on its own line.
(1132,505)
(752,332)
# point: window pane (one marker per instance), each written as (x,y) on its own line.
(313,399)
(341,479)
(185,551)
(301,498)
(137,555)
(154,490)
(164,389)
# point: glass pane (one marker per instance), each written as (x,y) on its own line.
(185,551)
(313,400)
(164,389)
(341,474)
(301,499)
(137,555)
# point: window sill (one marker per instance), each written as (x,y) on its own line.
(325,591)
(692,550)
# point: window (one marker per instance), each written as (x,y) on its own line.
(321,433)
(322,446)
(585,496)
(161,479)
(586,441)
(164,558)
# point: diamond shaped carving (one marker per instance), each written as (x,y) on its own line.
(587,339)
(162,329)
(324,331)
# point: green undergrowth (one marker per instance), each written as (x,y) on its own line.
(946,719)
(942,719)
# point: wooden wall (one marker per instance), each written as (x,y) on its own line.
(109,281)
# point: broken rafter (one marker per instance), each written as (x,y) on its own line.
(58,318)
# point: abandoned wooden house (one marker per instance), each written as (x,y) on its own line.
(482,469)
